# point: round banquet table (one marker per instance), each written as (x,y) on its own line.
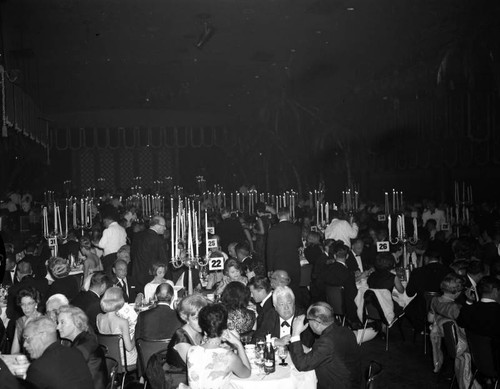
(284,377)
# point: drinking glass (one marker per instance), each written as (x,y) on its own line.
(282,353)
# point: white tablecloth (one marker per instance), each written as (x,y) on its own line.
(284,377)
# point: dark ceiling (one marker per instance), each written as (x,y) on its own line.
(332,55)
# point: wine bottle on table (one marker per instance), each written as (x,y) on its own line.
(269,361)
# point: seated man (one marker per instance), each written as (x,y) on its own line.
(483,317)
(53,304)
(161,321)
(261,291)
(278,322)
(120,279)
(334,355)
(279,278)
(90,301)
(54,366)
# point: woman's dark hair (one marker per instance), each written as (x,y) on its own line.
(232,263)
(28,292)
(384,261)
(235,296)
(213,320)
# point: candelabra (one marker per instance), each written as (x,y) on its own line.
(402,238)
(190,261)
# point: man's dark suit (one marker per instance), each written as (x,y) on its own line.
(13,310)
(60,367)
(37,265)
(93,354)
(352,264)
(481,318)
(271,325)
(263,311)
(147,248)
(130,293)
(337,274)
(334,356)
(157,323)
(90,303)
(283,243)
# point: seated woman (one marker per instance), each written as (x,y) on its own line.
(210,365)
(73,325)
(384,278)
(186,336)
(28,299)
(158,270)
(109,323)
(443,309)
(232,272)
(92,262)
(235,298)
(64,283)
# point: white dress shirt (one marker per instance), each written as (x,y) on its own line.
(285,329)
(342,230)
(113,238)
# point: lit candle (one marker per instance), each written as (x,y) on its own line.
(393,200)
(206,232)
(398,226)
(172,244)
(59,220)
(66,217)
(389,226)
(74,215)
(55,218)
(415,229)
(327,211)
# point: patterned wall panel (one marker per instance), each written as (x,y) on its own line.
(87,168)
(145,168)
(165,163)
(107,168)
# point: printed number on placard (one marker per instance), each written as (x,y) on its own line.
(382,247)
(52,242)
(445,227)
(212,243)
(211,230)
(381,218)
(216,263)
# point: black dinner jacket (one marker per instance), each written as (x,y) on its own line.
(263,311)
(426,279)
(337,274)
(133,290)
(481,318)
(90,303)
(159,322)
(60,367)
(334,356)
(93,354)
(271,325)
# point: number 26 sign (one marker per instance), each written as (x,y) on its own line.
(382,247)
(216,263)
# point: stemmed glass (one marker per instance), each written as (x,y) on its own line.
(282,353)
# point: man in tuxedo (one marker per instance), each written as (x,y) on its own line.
(148,247)
(130,290)
(475,272)
(278,322)
(261,291)
(483,317)
(283,243)
(355,260)
(37,264)
(424,279)
(251,266)
(90,301)
(9,277)
(334,356)
(161,321)
(54,366)
(337,274)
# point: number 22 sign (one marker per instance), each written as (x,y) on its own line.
(216,263)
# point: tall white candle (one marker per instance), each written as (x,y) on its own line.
(59,220)
(389,226)
(55,218)
(66,218)
(206,230)
(172,231)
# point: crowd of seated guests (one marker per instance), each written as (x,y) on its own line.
(256,299)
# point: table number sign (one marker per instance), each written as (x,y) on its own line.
(445,227)
(212,243)
(211,230)
(216,263)
(382,247)
(381,218)
(52,242)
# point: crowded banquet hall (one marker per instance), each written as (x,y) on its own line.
(272,194)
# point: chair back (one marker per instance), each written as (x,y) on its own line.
(450,338)
(483,356)
(112,367)
(373,371)
(335,297)
(372,308)
(146,348)
(111,345)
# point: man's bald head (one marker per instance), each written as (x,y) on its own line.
(279,278)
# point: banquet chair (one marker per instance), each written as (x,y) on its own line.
(112,367)
(335,297)
(450,342)
(145,349)
(372,311)
(111,345)
(372,372)
(484,359)
(428,296)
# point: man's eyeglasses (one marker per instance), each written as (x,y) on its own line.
(307,319)
(27,339)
